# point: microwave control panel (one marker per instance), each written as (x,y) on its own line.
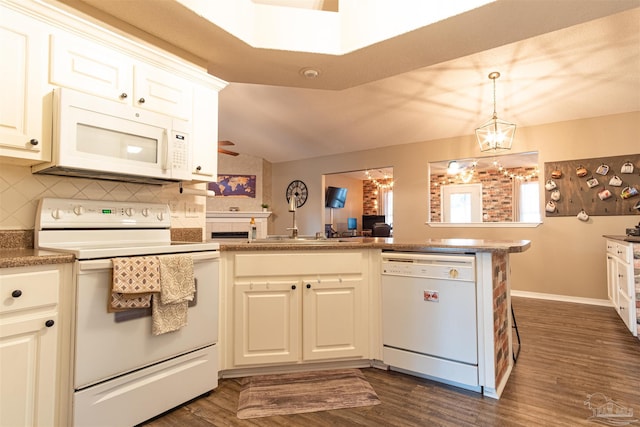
(180,152)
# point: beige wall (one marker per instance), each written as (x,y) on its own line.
(567,256)
(243,164)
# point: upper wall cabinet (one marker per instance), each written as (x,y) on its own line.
(88,67)
(43,47)
(205,131)
(25,106)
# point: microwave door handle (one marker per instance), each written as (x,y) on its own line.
(165,143)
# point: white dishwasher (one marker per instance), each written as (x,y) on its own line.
(429,316)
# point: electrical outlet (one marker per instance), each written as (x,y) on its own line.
(174,207)
(191,211)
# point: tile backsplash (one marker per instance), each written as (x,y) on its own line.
(20,191)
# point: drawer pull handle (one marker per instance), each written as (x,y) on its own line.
(123,95)
(293,287)
(17,293)
(34,142)
(308,285)
(141,100)
(49,323)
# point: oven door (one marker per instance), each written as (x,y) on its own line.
(110,344)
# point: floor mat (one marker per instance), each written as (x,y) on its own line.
(300,392)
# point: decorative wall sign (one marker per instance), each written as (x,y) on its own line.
(234,186)
(598,187)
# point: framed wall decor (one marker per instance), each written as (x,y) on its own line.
(600,186)
(234,186)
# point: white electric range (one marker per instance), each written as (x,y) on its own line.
(122,374)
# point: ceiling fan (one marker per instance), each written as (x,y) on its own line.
(224,150)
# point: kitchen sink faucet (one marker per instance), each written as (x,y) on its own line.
(292,208)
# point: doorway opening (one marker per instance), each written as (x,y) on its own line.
(369,196)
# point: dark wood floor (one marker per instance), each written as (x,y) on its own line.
(568,352)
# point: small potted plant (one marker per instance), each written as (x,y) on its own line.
(265,207)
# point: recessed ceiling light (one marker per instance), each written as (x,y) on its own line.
(310,73)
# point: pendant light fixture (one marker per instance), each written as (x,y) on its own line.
(496,134)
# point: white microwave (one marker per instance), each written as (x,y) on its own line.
(99,138)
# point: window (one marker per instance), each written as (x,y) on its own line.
(462,203)
(528,205)
(388,206)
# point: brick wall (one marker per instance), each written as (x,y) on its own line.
(501,313)
(497,193)
(370,196)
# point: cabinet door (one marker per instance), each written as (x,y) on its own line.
(612,279)
(162,92)
(23,49)
(28,370)
(205,135)
(267,322)
(626,302)
(332,319)
(88,67)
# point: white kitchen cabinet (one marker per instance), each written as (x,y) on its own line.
(205,135)
(620,281)
(33,363)
(298,307)
(25,107)
(332,318)
(86,66)
(44,47)
(267,322)
(89,67)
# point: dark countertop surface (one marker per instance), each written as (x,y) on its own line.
(631,239)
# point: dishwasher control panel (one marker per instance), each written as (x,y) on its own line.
(450,267)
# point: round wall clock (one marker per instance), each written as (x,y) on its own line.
(298,189)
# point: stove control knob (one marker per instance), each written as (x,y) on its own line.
(129,211)
(78,210)
(145,211)
(56,213)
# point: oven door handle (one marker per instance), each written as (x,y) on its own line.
(102,264)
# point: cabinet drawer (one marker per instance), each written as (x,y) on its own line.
(294,264)
(620,250)
(28,289)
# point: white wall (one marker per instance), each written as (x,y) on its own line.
(567,256)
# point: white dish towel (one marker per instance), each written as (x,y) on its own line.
(177,288)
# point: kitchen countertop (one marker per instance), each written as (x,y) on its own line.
(16,250)
(19,257)
(631,239)
(427,245)
(24,257)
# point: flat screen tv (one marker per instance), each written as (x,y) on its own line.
(335,197)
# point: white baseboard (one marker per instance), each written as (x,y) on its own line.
(563,298)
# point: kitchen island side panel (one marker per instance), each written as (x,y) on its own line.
(501,324)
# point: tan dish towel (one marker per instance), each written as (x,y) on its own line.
(134,279)
(178,287)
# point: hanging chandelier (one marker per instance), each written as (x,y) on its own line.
(496,134)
